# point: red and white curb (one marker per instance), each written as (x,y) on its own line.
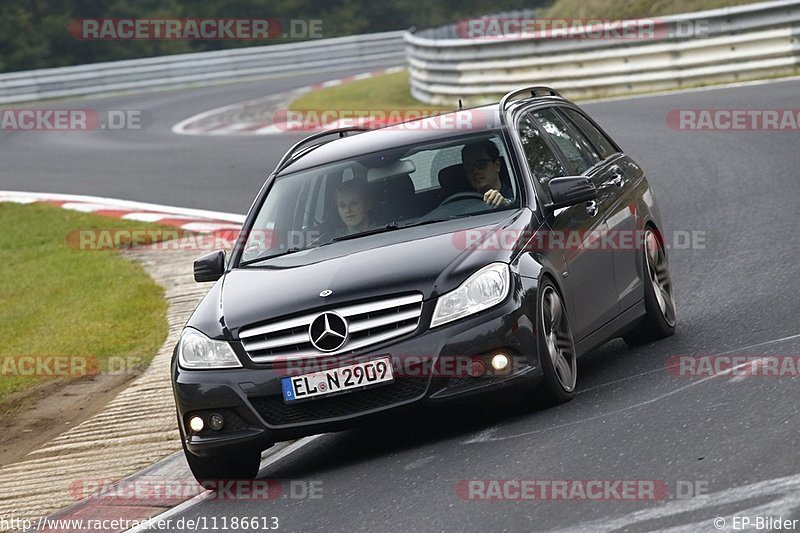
(194,220)
(255,117)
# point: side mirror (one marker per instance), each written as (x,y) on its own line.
(209,267)
(570,191)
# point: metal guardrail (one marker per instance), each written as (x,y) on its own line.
(185,69)
(736,43)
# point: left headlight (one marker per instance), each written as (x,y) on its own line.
(196,351)
(485,288)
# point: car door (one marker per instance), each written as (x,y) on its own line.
(552,151)
(618,174)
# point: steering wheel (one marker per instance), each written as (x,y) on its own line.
(462,196)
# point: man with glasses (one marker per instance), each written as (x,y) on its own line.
(482,166)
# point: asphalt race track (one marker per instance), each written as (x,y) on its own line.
(734,438)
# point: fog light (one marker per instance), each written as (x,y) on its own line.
(196,424)
(500,362)
(476,368)
(215,421)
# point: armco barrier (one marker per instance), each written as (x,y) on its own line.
(369,50)
(735,43)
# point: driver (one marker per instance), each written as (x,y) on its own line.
(482,165)
(354,204)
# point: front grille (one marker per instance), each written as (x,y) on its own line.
(277,413)
(368,323)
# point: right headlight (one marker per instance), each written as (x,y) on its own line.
(196,351)
(484,289)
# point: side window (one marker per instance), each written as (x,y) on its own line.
(578,155)
(601,143)
(542,161)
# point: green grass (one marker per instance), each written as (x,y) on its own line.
(61,301)
(385,92)
(627,9)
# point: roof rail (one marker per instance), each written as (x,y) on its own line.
(536,91)
(296,152)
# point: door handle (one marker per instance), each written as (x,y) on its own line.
(591,208)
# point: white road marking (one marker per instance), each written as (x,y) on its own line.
(84,207)
(207,227)
(18,200)
(154,217)
(200,498)
(112,203)
(419,463)
(487,435)
(184,127)
(640,374)
(783,490)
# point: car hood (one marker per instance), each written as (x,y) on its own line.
(431,260)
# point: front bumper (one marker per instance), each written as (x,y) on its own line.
(251,402)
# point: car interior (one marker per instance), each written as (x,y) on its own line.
(403,188)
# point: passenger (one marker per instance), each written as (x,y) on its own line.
(482,167)
(354,204)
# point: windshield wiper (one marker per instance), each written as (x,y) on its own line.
(383,229)
(431,221)
(389,227)
(273,256)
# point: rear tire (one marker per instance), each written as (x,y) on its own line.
(556,345)
(659,320)
(241,465)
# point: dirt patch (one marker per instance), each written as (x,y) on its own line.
(45,411)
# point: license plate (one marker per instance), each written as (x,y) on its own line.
(356,376)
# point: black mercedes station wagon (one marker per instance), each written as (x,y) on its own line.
(415,263)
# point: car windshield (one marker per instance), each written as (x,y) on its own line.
(379,192)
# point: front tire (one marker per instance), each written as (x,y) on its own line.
(660,319)
(556,345)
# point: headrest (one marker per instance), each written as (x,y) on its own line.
(399,185)
(452,178)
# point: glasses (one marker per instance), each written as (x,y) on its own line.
(480,164)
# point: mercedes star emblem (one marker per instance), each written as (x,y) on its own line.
(328,332)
